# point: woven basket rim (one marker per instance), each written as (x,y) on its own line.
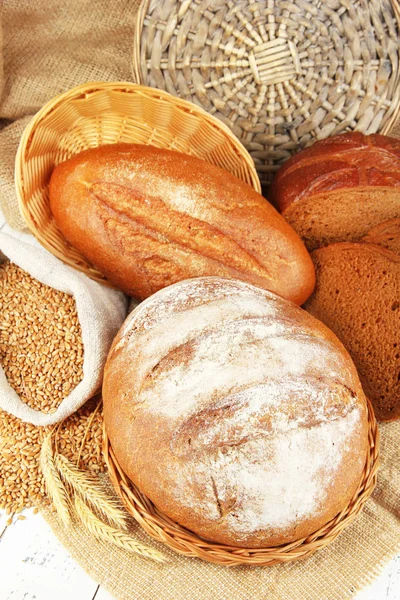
(123,86)
(396,113)
(138,75)
(140,16)
(32,166)
(185,542)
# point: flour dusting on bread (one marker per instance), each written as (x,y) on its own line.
(256,409)
(271,483)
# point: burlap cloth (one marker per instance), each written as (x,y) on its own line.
(49,47)
(335,573)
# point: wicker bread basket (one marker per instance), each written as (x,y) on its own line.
(163,529)
(279,73)
(103,113)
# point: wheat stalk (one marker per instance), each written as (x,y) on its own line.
(54,485)
(88,426)
(89,489)
(85,489)
(109,534)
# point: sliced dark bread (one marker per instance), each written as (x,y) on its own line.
(339,188)
(386,234)
(358,297)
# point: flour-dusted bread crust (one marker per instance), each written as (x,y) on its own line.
(237,413)
(340,188)
(148,217)
(358,296)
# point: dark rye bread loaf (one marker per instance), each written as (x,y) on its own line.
(357,295)
(237,413)
(386,234)
(148,217)
(339,188)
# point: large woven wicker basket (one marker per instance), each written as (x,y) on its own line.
(279,73)
(93,114)
(163,529)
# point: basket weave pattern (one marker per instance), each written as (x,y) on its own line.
(279,73)
(163,529)
(105,113)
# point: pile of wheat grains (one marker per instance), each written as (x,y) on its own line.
(41,349)
(41,352)
(21,482)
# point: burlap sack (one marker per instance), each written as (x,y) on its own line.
(101,312)
(9,140)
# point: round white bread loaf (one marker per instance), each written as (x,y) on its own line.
(237,413)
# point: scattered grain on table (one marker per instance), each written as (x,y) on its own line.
(41,348)
(21,482)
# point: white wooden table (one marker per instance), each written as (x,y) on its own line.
(35,566)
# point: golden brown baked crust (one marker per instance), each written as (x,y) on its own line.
(238,414)
(350,160)
(340,188)
(147,217)
(358,296)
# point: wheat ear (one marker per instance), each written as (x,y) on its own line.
(90,490)
(108,534)
(88,426)
(54,485)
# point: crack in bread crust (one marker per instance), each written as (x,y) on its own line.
(130,208)
(206,429)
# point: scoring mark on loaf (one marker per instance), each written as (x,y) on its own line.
(190,294)
(170,232)
(274,406)
(241,355)
(268,483)
(191,355)
(161,333)
(185,352)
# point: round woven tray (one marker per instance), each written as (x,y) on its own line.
(93,114)
(279,73)
(161,528)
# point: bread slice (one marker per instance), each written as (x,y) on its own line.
(386,234)
(340,188)
(358,297)
(345,215)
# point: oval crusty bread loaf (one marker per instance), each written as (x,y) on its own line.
(339,188)
(238,414)
(386,234)
(358,296)
(147,217)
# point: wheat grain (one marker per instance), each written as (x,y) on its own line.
(21,480)
(108,534)
(41,348)
(89,489)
